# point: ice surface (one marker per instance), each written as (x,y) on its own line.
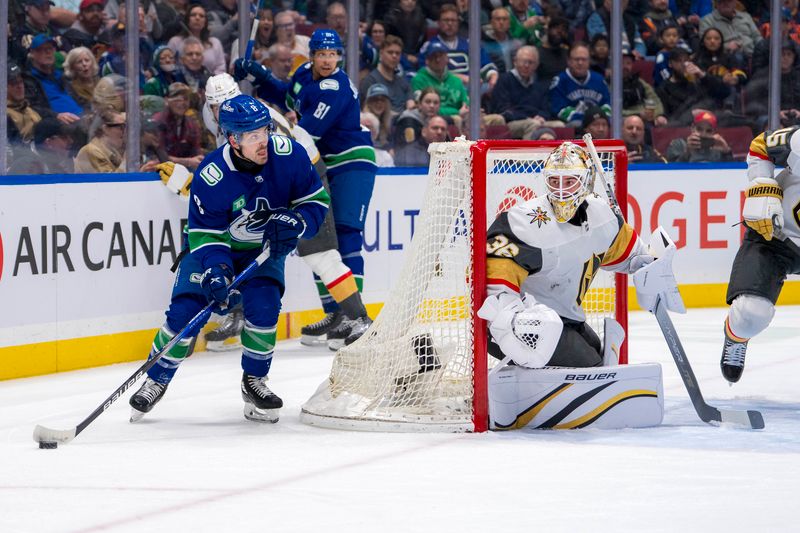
(195,464)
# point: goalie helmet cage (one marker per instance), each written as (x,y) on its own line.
(423,364)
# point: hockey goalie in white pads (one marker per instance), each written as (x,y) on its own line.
(541,258)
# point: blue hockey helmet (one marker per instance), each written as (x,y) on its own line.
(243,113)
(325,40)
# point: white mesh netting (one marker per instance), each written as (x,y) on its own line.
(413,370)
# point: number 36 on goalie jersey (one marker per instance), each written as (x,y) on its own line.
(528,251)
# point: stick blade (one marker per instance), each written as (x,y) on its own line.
(748,419)
(43,434)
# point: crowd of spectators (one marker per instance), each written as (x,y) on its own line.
(699,67)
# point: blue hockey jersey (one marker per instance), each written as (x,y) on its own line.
(329,110)
(569,98)
(228,208)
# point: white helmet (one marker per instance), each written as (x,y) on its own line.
(220,88)
(571,167)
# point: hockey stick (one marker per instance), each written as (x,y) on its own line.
(43,434)
(612,198)
(248,53)
(707,413)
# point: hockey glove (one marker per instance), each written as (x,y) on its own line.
(177,178)
(526,331)
(215,283)
(762,207)
(250,70)
(283,229)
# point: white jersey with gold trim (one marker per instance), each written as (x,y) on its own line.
(529,252)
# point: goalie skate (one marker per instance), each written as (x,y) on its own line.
(260,403)
(227,335)
(148,395)
(316,334)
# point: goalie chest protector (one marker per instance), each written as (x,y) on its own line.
(571,254)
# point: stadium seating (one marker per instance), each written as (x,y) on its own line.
(664,135)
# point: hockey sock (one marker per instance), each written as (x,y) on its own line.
(350,243)
(165,368)
(257,347)
(329,305)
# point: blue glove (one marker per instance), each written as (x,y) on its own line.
(215,284)
(252,71)
(283,229)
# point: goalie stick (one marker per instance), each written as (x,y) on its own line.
(707,413)
(612,198)
(63,436)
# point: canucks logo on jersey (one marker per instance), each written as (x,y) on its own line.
(249,225)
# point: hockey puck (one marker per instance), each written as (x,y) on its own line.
(47,445)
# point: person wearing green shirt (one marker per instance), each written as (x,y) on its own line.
(436,74)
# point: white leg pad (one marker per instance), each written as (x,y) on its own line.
(327,265)
(749,315)
(614,397)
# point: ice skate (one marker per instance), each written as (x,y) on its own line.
(148,395)
(338,335)
(359,326)
(227,335)
(316,334)
(732,361)
(260,403)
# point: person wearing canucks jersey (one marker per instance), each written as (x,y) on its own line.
(326,103)
(257,189)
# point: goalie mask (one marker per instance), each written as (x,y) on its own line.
(569,178)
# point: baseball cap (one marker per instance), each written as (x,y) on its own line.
(706,116)
(86,4)
(678,54)
(593,113)
(378,89)
(14,71)
(436,47)
(178,89)
(41,39)
(46,128)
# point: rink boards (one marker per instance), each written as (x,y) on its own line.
(85,260)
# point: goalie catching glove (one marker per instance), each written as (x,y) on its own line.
(215,282)
(283,229)
(762,207)
(526,331)
(176,177)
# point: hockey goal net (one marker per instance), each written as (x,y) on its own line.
(423,364)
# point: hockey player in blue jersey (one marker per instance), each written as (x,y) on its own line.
(326,103)
(258,188)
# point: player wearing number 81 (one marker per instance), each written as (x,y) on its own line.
(764,258)
(255,189)
(326,103)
